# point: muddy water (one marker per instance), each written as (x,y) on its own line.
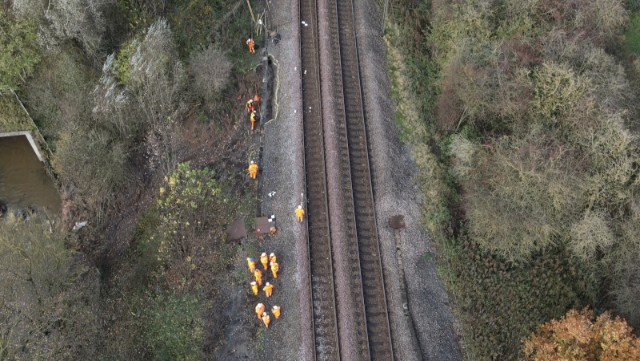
(23,179)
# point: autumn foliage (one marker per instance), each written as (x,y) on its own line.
(577,336)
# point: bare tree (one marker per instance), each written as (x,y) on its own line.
(210,69)
(81,20)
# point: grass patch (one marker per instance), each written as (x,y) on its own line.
(260,336)
(632,35)
(500,303)
(12,116)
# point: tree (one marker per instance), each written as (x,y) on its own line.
(19,52)
(577,336)
(521,194)
(157,82)
(210,69)
(48,298)
(81,20)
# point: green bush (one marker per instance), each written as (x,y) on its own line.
(632,35)
(174,327)
(20,52)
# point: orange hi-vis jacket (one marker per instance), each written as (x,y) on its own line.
(253,119)
(253,170)
(251,263)
(266,319)
(254,288)
(274,269)
(249,105)
(251,44)
(276,311)
(259,309)
(299,214)
(268,289)
(258,276)
(264,259)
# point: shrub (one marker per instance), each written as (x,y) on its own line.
(48,295)
(20,52)
(174,327)
(577,336)
(210,70)
(190,216)
(94,162)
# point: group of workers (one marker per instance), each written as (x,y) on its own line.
(267,262)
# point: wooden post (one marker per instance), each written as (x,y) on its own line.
(251,11)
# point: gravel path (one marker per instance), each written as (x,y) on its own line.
(291,337)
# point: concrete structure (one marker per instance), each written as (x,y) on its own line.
(34,144)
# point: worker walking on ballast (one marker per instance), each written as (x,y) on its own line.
(276,311)
(254,288)
(250,106)
(264,259)
(268,289)
(274,269)
(300,213)
(258,275)
(272,257)
(252,264)
(259,310)
(266,319)
(254,119)
(253,170)
(256,101)
(251,45)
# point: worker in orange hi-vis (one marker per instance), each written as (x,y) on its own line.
(258,275)
(254,288)
(254,119)
(256,101)
(276,311)
(252,46)
(264,259)
(272,257)
(259,310)
(250,106)
(252,264)
(268,289)
(300,213)
(253,170)
(266,319)
(274,269)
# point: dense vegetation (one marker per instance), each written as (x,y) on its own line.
(577,336)
(533,194)
(111,86)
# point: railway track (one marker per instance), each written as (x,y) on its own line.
(371,338)
(325,324)
(378,328)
